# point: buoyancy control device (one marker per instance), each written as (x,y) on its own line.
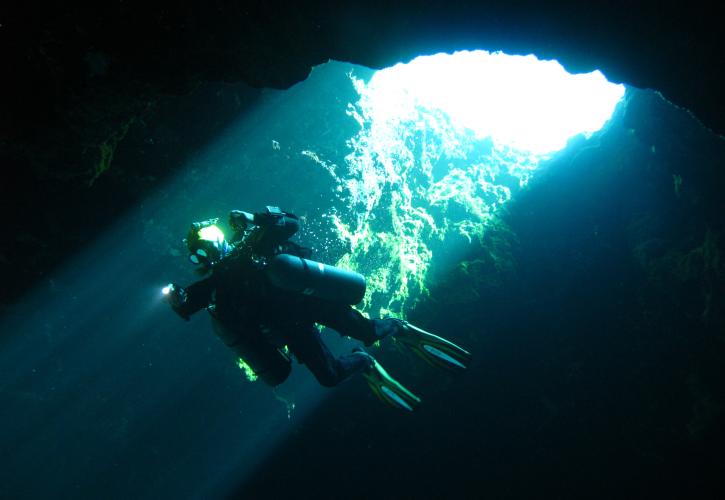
(268,362)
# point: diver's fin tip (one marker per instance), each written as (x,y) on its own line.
(433,349)
(389,390)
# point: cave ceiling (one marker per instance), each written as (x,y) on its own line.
(75,76)
(65,56)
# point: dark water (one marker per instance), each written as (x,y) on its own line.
(593,307)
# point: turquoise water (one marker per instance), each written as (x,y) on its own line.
(586,282)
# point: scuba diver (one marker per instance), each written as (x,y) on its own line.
(265,298)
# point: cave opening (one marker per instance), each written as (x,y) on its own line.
(444,141)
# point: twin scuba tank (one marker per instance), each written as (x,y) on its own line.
(298,275)
(316,279)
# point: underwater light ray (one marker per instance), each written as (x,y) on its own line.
(94,352)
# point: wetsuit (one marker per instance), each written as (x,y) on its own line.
(246,306)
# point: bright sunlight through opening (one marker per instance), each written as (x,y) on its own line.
(444,142)
(517,101)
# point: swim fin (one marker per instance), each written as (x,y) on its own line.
(389,390)
(433,349)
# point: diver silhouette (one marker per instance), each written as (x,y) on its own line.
(265,298)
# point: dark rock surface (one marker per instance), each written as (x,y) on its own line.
(83,85)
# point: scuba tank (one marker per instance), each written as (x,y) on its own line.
(269,362)
(319,280)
